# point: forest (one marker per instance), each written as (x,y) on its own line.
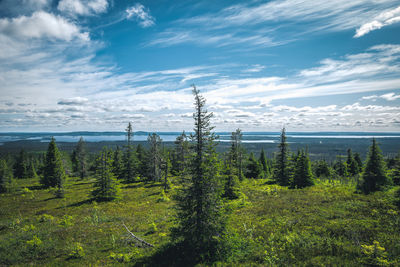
(194,204)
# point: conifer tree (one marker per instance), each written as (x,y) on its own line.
(281,167)
(237,152)
(5,176)
(117,164)
(79,159)
(32,170)
(54,173)
(142,161)
(199,210)
(302,175)
(374,177)
(396,170)
(340,167)
(358,160)
(180,154)
(21,166)
(264,164)
(154,141)
(232,170)
(106,186)
(352,167)
(253,168)
(129,159)
(322,169)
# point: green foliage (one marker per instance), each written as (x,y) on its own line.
(322,169)
(340,167)
(374,176)
(374,255)
(118,164)
(54,174)
(302,176)
(163,197)
(21,166)
(77,251)
(281,166)
(352,165)
(79,161)
(66,221)
(180,154)
(154,142)
(143,161)
(34,242)
(199,215)
(106,187)
(264,164)
(130,160)
(5,176)
(253,168)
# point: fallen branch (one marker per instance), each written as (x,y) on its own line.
(137,238)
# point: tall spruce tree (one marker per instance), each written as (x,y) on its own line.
(79,161)
(154,141)
(129,157)
(5,176)
(357,158)
(264,164)
(302,175)
(106,186)
(352,167)
(374,177)
(142,161)
(232,170)
(117,163)
(54,173)
(340,167)
(179,157)
(199,210)
(237,152)
(21,165)
(281,166)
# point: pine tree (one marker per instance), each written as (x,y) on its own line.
(21,166)
(117,164)
(352,167)
(253,168)
(54,173)
(302,176)
(154,141)
(264,164)
(374,176)
(106,186)
(281,167)
(199,210)
(79,159)
(130,161)
(5,176)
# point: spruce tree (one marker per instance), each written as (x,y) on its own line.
(232,170)
(396,170)
(142,161)
(5,176)
(340,167)
(79,159)
(106,186)
(237,152)
(281,167)
(154,141)
(358,160)
(129,158)
(180,154)
(264,164)
(21,166)
(117,164)
(200,221)
(322,169)
(302,176)
(352,167)
(374,176)
(54,173)
(253,168)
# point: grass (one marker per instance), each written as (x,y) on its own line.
(327,224)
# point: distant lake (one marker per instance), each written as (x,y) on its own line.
(248,137)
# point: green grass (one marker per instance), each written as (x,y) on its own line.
(269,225)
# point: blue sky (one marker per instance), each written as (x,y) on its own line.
(97,64)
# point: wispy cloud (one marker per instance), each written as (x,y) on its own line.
(82,8)
(141,14)
(388,97)
(384,19)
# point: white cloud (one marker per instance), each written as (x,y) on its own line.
(388,97)
(79,7)
(41,25)
(141,14)
(255,68)
(73,101)
(384,19)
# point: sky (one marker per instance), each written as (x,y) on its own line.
(95,65)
